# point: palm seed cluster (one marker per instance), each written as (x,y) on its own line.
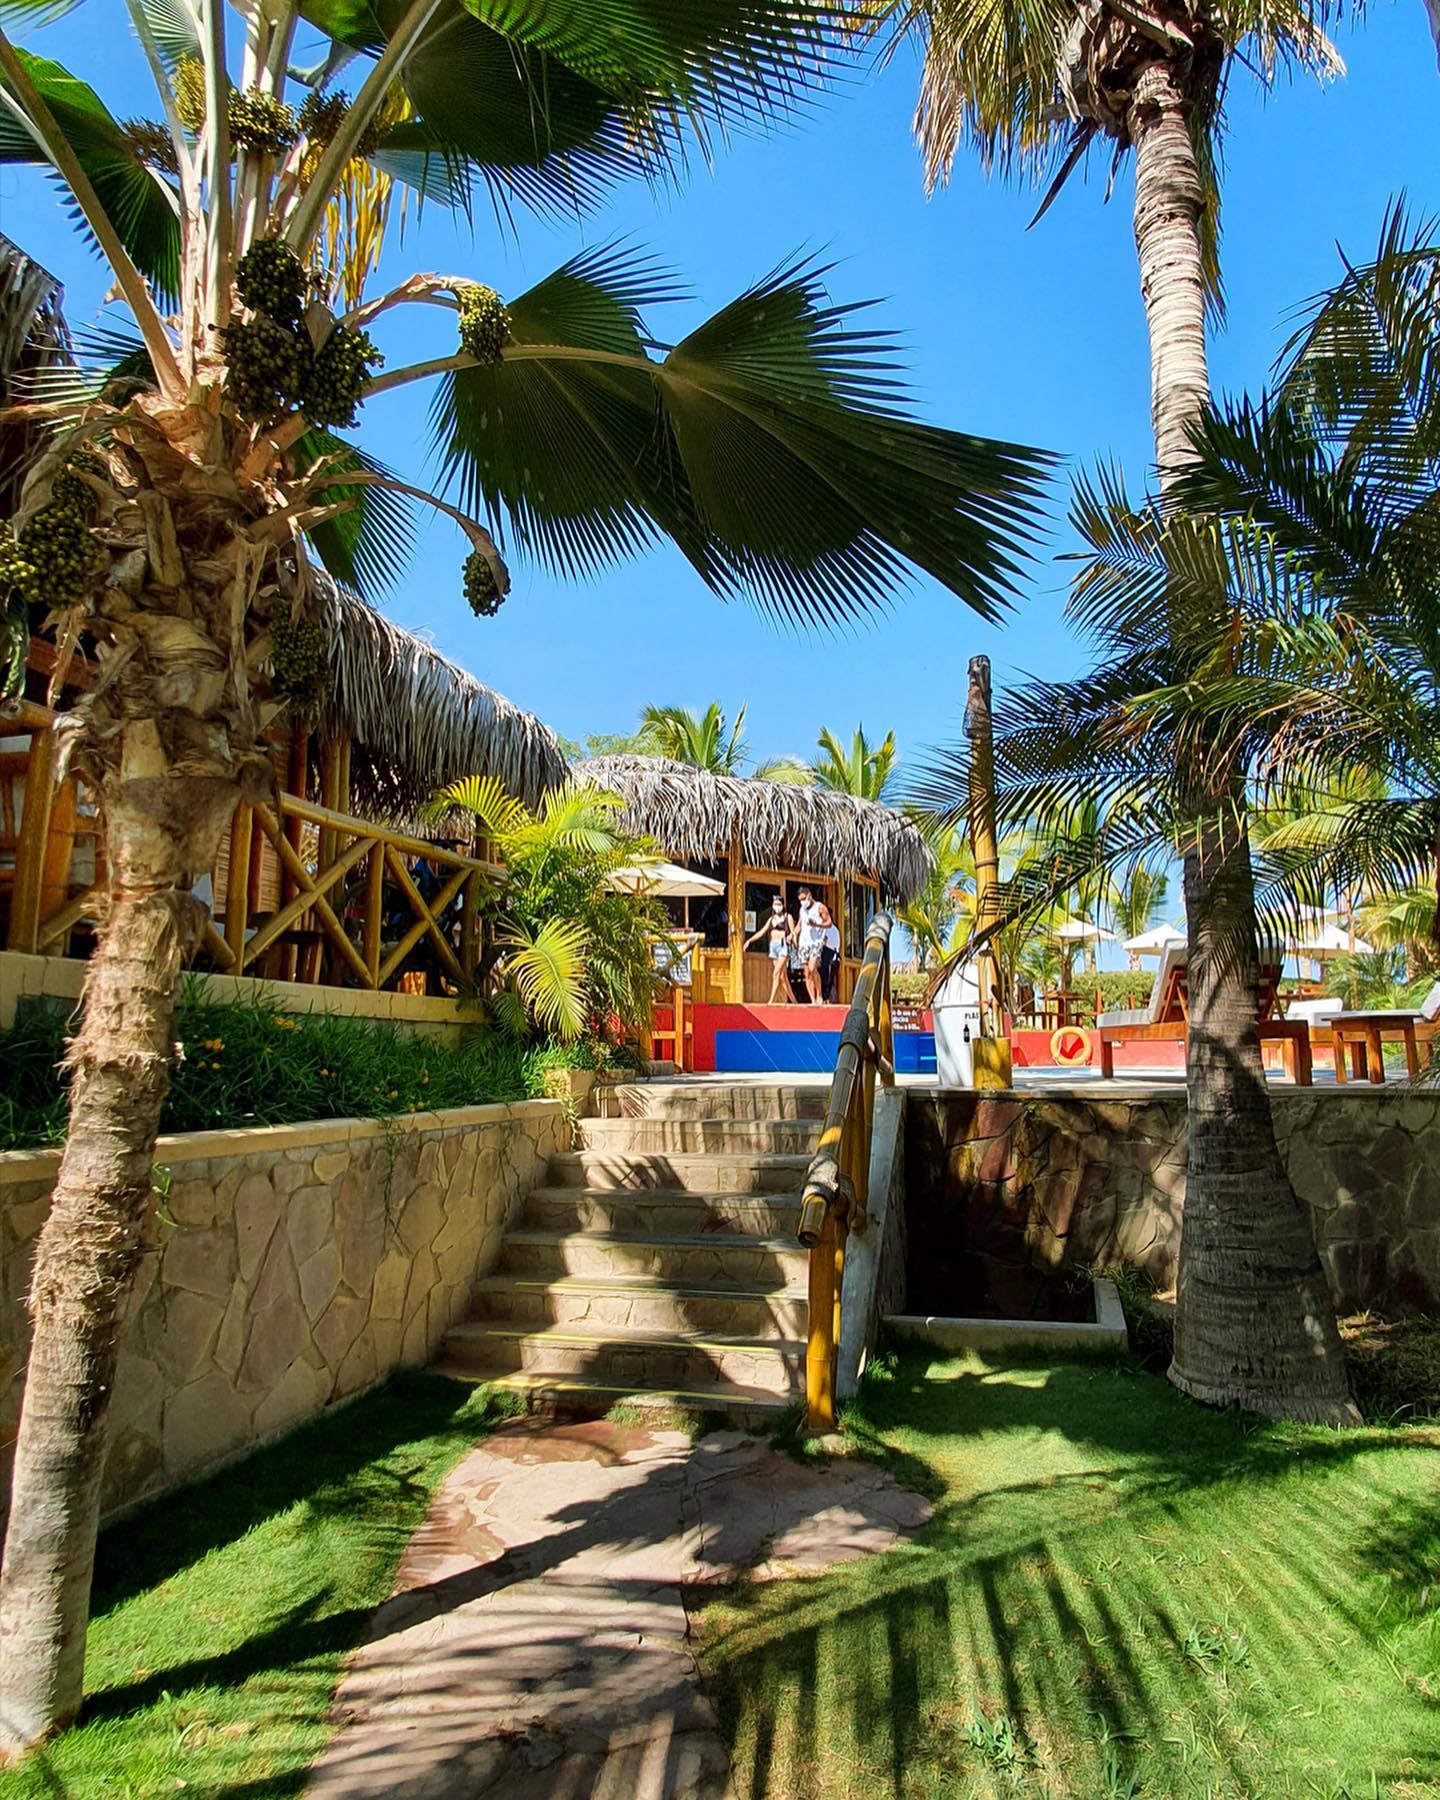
(257,121)
(299,661)
(55,559)
(273,364)
(484,322)
(481,589)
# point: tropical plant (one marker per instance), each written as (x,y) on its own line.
(862,769)
(1135,903)
(1277,622)
(1033,85)
(567,955)
(946,902)
(189,486)
(705,740)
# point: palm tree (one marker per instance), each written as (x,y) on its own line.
(1278,619)
(946,902)
(1033,85)
(1136,902)
(864,770)
(187,492)
(1323,495)
(704,740)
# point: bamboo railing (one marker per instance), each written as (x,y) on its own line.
(342,942)
(836,1194)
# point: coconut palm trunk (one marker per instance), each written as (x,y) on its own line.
(1254,1325)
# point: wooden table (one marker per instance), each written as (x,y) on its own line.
(1358,1039)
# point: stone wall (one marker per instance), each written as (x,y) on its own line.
(285,1268)
(1010,1192)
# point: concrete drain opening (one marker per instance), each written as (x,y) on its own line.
(1105,1331)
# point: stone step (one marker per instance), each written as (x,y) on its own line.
(710,1100)
(663,1212)
(646,1360)
(689,1137)
(734,1259)
(644,1303)
(708,1173)
(750,1408)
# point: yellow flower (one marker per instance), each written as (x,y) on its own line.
(214,1043)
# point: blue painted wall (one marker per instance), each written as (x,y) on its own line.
(811,1052)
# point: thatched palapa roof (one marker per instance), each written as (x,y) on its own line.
(418,720)
(693,813)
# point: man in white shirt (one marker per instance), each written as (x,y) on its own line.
(811,934)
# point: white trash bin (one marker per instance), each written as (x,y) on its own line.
(956,1012)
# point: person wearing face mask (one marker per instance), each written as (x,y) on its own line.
(781,932)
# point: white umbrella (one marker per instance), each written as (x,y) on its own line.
(1083,931)
(664,881)
(1320,941)
(1154,941)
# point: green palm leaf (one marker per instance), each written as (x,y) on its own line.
(548,969)
(368,544)
(140,207)
(766,445)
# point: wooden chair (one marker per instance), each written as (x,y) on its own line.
(1167,1018)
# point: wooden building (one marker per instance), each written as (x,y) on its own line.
(762,838)
(342,885)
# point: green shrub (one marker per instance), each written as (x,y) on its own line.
(1151,1325)
(908,985)
(248,1063)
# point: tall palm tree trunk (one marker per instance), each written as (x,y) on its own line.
(1254,1326)
(168,788)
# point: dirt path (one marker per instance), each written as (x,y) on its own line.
(537,1643)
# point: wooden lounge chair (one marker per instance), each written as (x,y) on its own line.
(1167,1018)
(1357,1039)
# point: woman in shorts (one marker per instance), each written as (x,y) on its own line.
(782,936)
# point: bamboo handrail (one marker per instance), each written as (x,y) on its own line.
(835,1199)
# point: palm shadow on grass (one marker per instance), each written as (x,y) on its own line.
(221,1614)
(1120,1594)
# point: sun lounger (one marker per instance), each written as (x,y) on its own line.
(1358,1038)
(1167,1018)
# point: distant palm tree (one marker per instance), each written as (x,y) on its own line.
(701,739)
(862,770)
(1136,902)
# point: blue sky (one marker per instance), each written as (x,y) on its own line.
(1035,335)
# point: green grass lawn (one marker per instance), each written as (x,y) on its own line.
(1121,1595)
(222,1613)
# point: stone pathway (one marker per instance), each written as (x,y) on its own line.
(537,1644)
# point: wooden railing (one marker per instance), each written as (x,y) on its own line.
(350,909)
(345,921)
(836,1195)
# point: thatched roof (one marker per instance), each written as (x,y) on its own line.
(33,336)
(693,813)
(418,720)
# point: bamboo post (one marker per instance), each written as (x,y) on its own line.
(735,901)
(25,902)
(826,1267)
(374,910)
(59,849)
(237,884)
(992,1063)
(470,927)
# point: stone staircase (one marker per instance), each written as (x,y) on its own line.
(658,1263)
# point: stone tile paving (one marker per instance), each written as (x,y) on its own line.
(537,1641)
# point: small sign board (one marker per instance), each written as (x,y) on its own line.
(671,958)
